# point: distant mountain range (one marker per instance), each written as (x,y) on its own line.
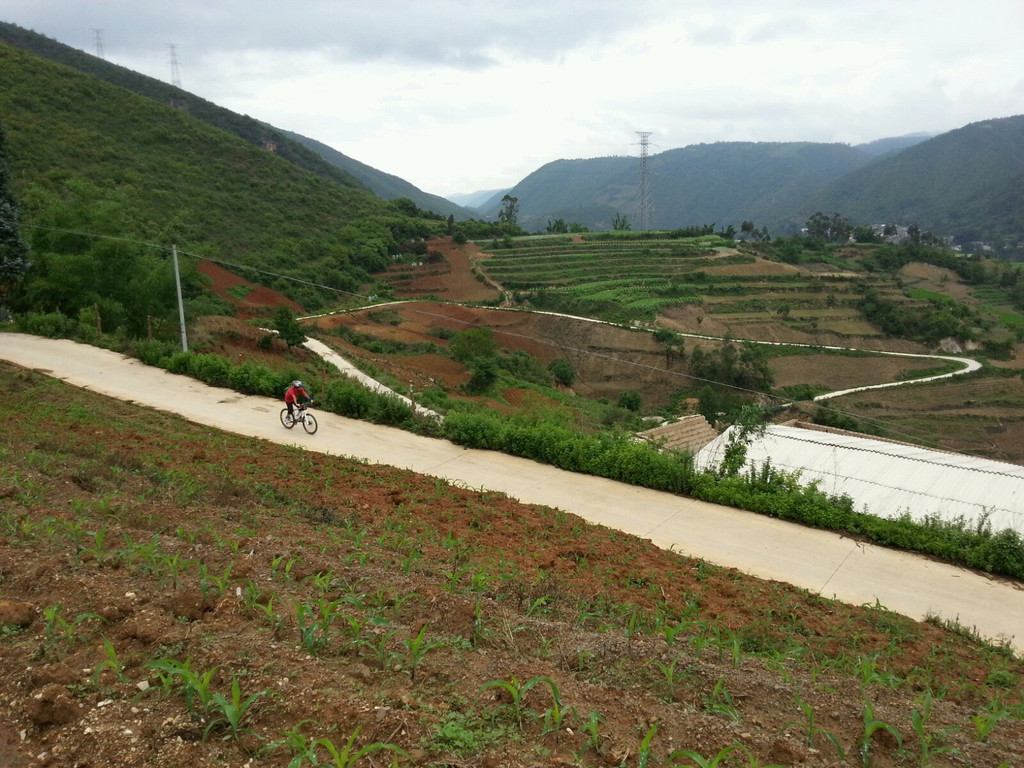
(967,183)
(476,199)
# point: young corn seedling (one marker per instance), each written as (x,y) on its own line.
(196,687)
(554,716)
(415,649)
(97,551)
(929,744)
(303,748)
(110,662)
(811,730)
(212,585)
(698,760)
(644,753)
(230,713)
(516,692)
(719,702)
(668,672)
(871,727)
(315,633)
(281,567)
(985,721)
(58,629)
(346,758)
(593,741)
(378,649)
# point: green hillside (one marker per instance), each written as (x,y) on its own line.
(243,126)
(89,157)
(965,183)
(306,153)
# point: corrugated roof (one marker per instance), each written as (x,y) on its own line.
(889,479)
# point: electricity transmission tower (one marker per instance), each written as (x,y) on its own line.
(175,74)
(99,42)
(644,203)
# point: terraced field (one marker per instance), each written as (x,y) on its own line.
(705,286)
(655,280)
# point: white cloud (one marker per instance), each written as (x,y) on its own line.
(459,95)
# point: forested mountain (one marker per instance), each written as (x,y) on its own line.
(966,183)
(252,131)
(723,183)
(89,157)
(306,153)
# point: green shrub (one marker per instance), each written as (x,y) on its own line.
(179,362)
(1001,552)
(213,369)
(153,351)
(388,409)
(630,400)
(348,399)
(484,373)
(253,379)
(53,325)
(562,371)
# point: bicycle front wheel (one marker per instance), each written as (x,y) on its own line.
(286,419)
(309,422)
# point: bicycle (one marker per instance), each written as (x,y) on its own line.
(302,416)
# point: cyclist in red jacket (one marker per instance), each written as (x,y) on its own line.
(291,396)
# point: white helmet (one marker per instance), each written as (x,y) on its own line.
(297,383)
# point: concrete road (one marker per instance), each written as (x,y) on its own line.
(821,562)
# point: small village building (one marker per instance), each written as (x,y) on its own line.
(690,433)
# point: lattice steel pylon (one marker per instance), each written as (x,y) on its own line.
(175,74)
(99,42)
(644,203)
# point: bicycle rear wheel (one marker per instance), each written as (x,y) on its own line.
(286,419)
(309,422)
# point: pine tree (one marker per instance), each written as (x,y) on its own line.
(14,261)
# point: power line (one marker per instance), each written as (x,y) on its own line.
(644,204)
(175,74)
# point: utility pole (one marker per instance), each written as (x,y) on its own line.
(175,74)
(181,305)
(99,42)
(644,203)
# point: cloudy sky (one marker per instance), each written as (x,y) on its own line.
(465,95)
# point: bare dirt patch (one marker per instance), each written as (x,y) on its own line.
(452,279)
(834,372)
(758,267)
(249,299)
